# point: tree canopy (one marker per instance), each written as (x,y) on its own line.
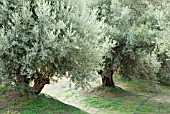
(139,30)
(45,38)
(49,38)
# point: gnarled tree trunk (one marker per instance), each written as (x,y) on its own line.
(39,83)
(111,64)
(107,79)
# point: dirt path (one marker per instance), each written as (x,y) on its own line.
(61,91)
(65,94)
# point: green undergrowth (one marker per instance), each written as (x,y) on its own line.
(130,98)
(138,86)
(45,104)
(128,104)
(116,90)
(41,104)
(126,98)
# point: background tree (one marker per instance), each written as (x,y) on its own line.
(134,28)
(163,42)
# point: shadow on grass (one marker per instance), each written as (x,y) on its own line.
(13,102)
(113,92)
(126,102)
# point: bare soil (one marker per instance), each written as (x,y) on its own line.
(7,98)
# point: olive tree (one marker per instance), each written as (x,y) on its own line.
(163,41)
(41,39)
(134,28)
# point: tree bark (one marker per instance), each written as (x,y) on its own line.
(111,64)
(39,84)
(107,78)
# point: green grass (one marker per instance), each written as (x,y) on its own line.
(134,99)
(138,86)
(126,99)
(128,105)
(116,90)
(41,104)
(44,104)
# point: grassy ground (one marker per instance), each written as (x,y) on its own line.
(12,102)
(128,98)
(131,98)
(128,103)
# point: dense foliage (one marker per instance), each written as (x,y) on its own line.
(71,37)
(49,38)
(140,32)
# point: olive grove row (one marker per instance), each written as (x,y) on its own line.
(40,39)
